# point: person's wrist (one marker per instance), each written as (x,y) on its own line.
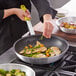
(47,18)
(14,10)
(8,12)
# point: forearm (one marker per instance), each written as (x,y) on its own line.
(9,12)
(18,12)
(47,17)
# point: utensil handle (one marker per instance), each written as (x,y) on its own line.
(23,7)
(30,28)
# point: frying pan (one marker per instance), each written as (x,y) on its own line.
(53,41)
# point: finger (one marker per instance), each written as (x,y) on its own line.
(48,30)
(45,30)
(22,18)
(25,14)
(28,13)
(49,34)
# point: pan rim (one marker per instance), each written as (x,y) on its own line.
(47,57)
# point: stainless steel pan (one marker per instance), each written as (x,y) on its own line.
(53,41)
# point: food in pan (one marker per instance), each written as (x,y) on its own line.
(13,72)
(40,51)
(68,25)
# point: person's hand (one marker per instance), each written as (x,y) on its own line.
(22,14)
(19,12)
(48,28)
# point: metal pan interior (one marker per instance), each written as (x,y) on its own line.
(53,41)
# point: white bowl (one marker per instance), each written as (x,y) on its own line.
(9,66)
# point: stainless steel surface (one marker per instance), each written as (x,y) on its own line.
(54,41)
(69,20)
(66,73)
(30,27)
(40,60)
(8,56)
(9,66)
(73,44)
(26,34)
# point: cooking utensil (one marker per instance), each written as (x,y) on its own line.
(53,41)
(68,20)
(9,66)
(28,21)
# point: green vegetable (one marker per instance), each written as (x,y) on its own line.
(3,72)
(36,47)
(25,50)
(13,72)
(51,50)
(42,37)
(30,55)
(35,55)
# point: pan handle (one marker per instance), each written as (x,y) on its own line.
(29,24)
(31,31)
(28,21)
